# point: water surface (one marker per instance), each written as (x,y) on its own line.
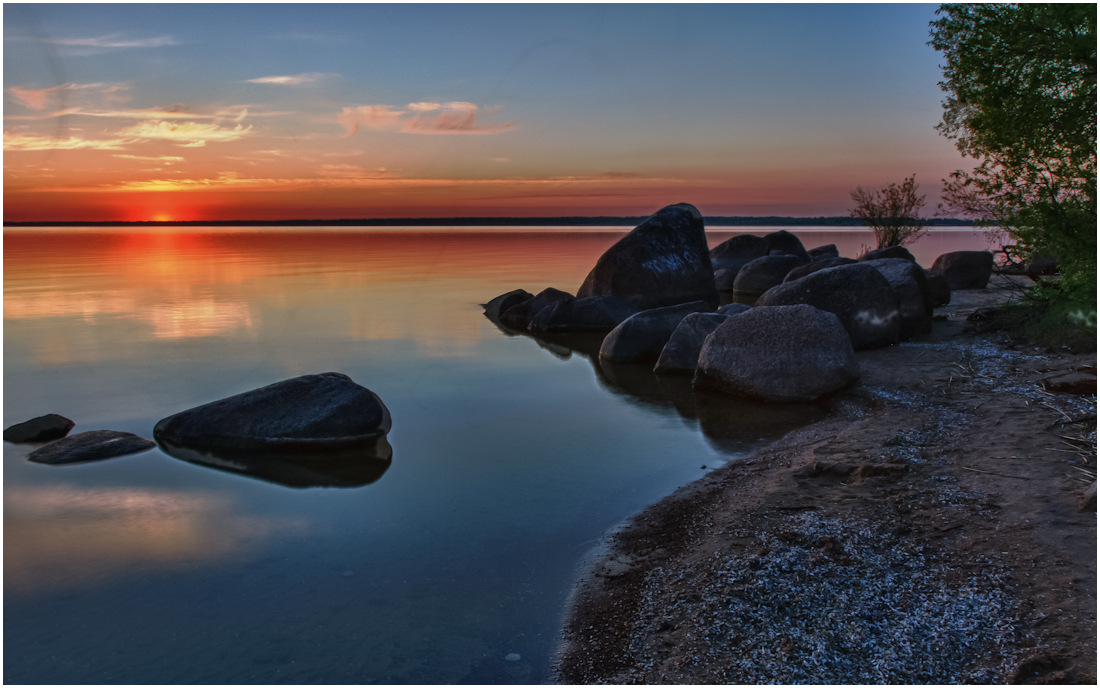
(510,456)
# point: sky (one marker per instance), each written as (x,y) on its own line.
(124,112)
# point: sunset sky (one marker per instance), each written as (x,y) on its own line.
(258,111)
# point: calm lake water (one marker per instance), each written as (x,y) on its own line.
(511,457)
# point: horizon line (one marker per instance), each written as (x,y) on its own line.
(459,221)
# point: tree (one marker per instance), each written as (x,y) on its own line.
(892,213)
(1021,99)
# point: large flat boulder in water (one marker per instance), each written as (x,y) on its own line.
(661,262)
(41,429)
(778,353)
(311,414)
(94,445)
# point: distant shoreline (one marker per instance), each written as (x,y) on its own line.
(602,221)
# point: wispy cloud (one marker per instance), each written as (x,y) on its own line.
(292,79)
(456,117)
(186,134)
(112,41)
(61,96)
(164,159)
(26,142)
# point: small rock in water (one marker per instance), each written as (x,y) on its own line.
(42,429)
(512,657)
(94,445)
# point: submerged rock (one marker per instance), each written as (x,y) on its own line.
(497,306)
(662,262)
(778,353)
(362,465)
(590,314)
(94,445)
(311,414)
(41,429)
(519,316)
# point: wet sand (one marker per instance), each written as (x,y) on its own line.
(929,530)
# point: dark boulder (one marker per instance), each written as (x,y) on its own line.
(41,429)
(781,354)
(642,336)
(591,314)
(494,308)
(94,445)
(913,292)
(681,353)
(888,252)
(723,279)
(519,316)
(965,269)
(819,264)
(822,252)
(733,308)
(940,289)
(858,294)
(762,274)
(733,253)
(311,414)
(661,262)
(783,242)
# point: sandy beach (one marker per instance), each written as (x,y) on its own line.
(933,528)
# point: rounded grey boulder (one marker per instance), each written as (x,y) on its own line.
(308,414)
(965,269)
(681,352)
(858,294)
(913,291)
(818,264)
(642,336)
(733,253)
(778,353)
(519,316)
(661,262)
(760,275)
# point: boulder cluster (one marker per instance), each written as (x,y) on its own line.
(792,318)
(311,430)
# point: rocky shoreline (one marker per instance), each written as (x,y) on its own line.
(934,527)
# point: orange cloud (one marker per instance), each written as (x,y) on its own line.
(456,117)
(59,96)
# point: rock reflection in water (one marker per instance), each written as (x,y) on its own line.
(356,467)
(730,425)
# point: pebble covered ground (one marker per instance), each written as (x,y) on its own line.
(931,529)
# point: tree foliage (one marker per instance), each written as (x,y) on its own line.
(892,213)
(1021,99)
